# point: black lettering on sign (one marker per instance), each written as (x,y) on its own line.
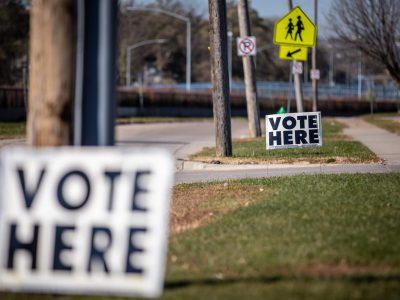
(277,137)
(130,266)
(17,245)
(302,120)
(60,190)
(300,137)
(286,121)
(314,138)
(59,247)
(288,138)
(29,195)
(312,121)
(139,189)
(112,176)
(98,247)
(274,125)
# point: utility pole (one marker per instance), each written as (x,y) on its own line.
(220,77)
(314,63)
(51,72)
(253,113)
(297,80)
(95,105)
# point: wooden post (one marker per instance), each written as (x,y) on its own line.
(314,63)
(297,80)
(253,113)
(220,77)
(51,72)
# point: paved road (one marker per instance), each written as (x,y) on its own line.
(183,139)
(186,138)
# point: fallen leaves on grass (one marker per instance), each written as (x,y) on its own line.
(196,205)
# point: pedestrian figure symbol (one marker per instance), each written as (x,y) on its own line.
(289,28)
(295,29)
(300,28)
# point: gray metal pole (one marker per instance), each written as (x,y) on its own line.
(359,93)
(230,34)
(99,71)
(331,68)
(290,4)
(314,63)
(297,80)
(220,77)
(289,95)
(298,92)
(188,54)
(253,113)
(128,67)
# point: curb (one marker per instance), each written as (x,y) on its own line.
(183,165)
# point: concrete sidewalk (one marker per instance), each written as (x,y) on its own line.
(384,144)
(183,139)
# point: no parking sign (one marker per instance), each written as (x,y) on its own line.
(246,46)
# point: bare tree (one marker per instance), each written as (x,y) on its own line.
(371,26)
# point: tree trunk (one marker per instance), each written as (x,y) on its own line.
(51,72)
(220,77)
(249,73)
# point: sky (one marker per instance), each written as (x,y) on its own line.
(276,8)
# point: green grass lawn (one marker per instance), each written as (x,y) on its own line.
(12,130)
(303,237)
(383,121)
(336,148)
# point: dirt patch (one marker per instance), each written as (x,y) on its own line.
(195,205)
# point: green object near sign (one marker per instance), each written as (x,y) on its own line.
(282,110)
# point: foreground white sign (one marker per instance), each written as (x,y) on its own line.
(296,130)
(91,221)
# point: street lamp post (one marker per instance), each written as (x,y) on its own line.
(230,35)
(128,55)
(188,37)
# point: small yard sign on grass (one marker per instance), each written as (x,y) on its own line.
(293,130)
(84,221)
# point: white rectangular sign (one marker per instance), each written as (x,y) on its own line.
(297,67)
(84,221)
(246,46)
(294,130)
(315,74)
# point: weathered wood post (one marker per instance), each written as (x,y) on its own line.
(220,77)
(253,112)
(51,72)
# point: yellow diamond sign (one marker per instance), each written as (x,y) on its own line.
(295,29)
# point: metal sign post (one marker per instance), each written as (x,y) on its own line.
(294,33)
(95,84)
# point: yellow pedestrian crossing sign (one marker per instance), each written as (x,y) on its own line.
(293,52)
(295,29)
